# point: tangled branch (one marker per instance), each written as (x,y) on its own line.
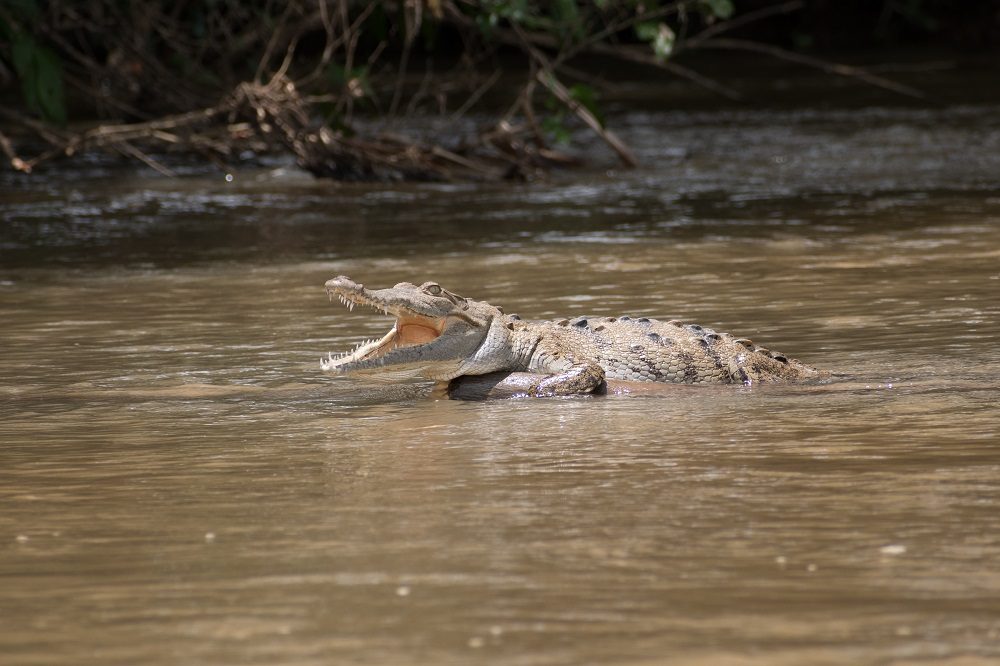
(298,72)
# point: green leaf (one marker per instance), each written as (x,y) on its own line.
(334,119)
(514,11)
(587,98)
(51,96)
(26,10)
(721,9)
(486,23)
(22,54)
(567,18)
(554,126)
(646,31)
(430,31)
(40,72)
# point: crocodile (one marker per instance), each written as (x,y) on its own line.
(440,335)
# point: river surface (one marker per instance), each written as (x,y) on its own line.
(180,484)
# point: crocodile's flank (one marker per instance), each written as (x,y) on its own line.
(441,335)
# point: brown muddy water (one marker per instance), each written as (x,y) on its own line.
(180,484)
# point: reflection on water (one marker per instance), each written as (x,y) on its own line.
(181,485)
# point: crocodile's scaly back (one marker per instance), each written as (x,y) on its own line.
(643,349)
(440,335)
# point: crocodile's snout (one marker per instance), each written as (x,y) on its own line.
(343,283)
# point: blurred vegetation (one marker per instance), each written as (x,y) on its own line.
(220,77)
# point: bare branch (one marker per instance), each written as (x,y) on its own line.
(477,94)
(8,149)
(831,67)
(645,57)
(742,20)
(546,76)
(548,79)
(130,150)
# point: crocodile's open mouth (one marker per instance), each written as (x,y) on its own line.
(433,336)
(409,330)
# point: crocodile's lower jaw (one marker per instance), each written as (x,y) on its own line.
(407,332)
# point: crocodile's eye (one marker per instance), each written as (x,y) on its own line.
(433,289)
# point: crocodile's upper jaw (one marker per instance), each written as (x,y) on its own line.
(434,331)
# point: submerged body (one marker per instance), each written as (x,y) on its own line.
(440,335)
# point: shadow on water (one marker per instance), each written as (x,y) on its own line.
(181,484)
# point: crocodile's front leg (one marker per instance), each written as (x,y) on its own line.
(579,379)
(564,373)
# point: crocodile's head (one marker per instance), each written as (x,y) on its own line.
(437,334)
